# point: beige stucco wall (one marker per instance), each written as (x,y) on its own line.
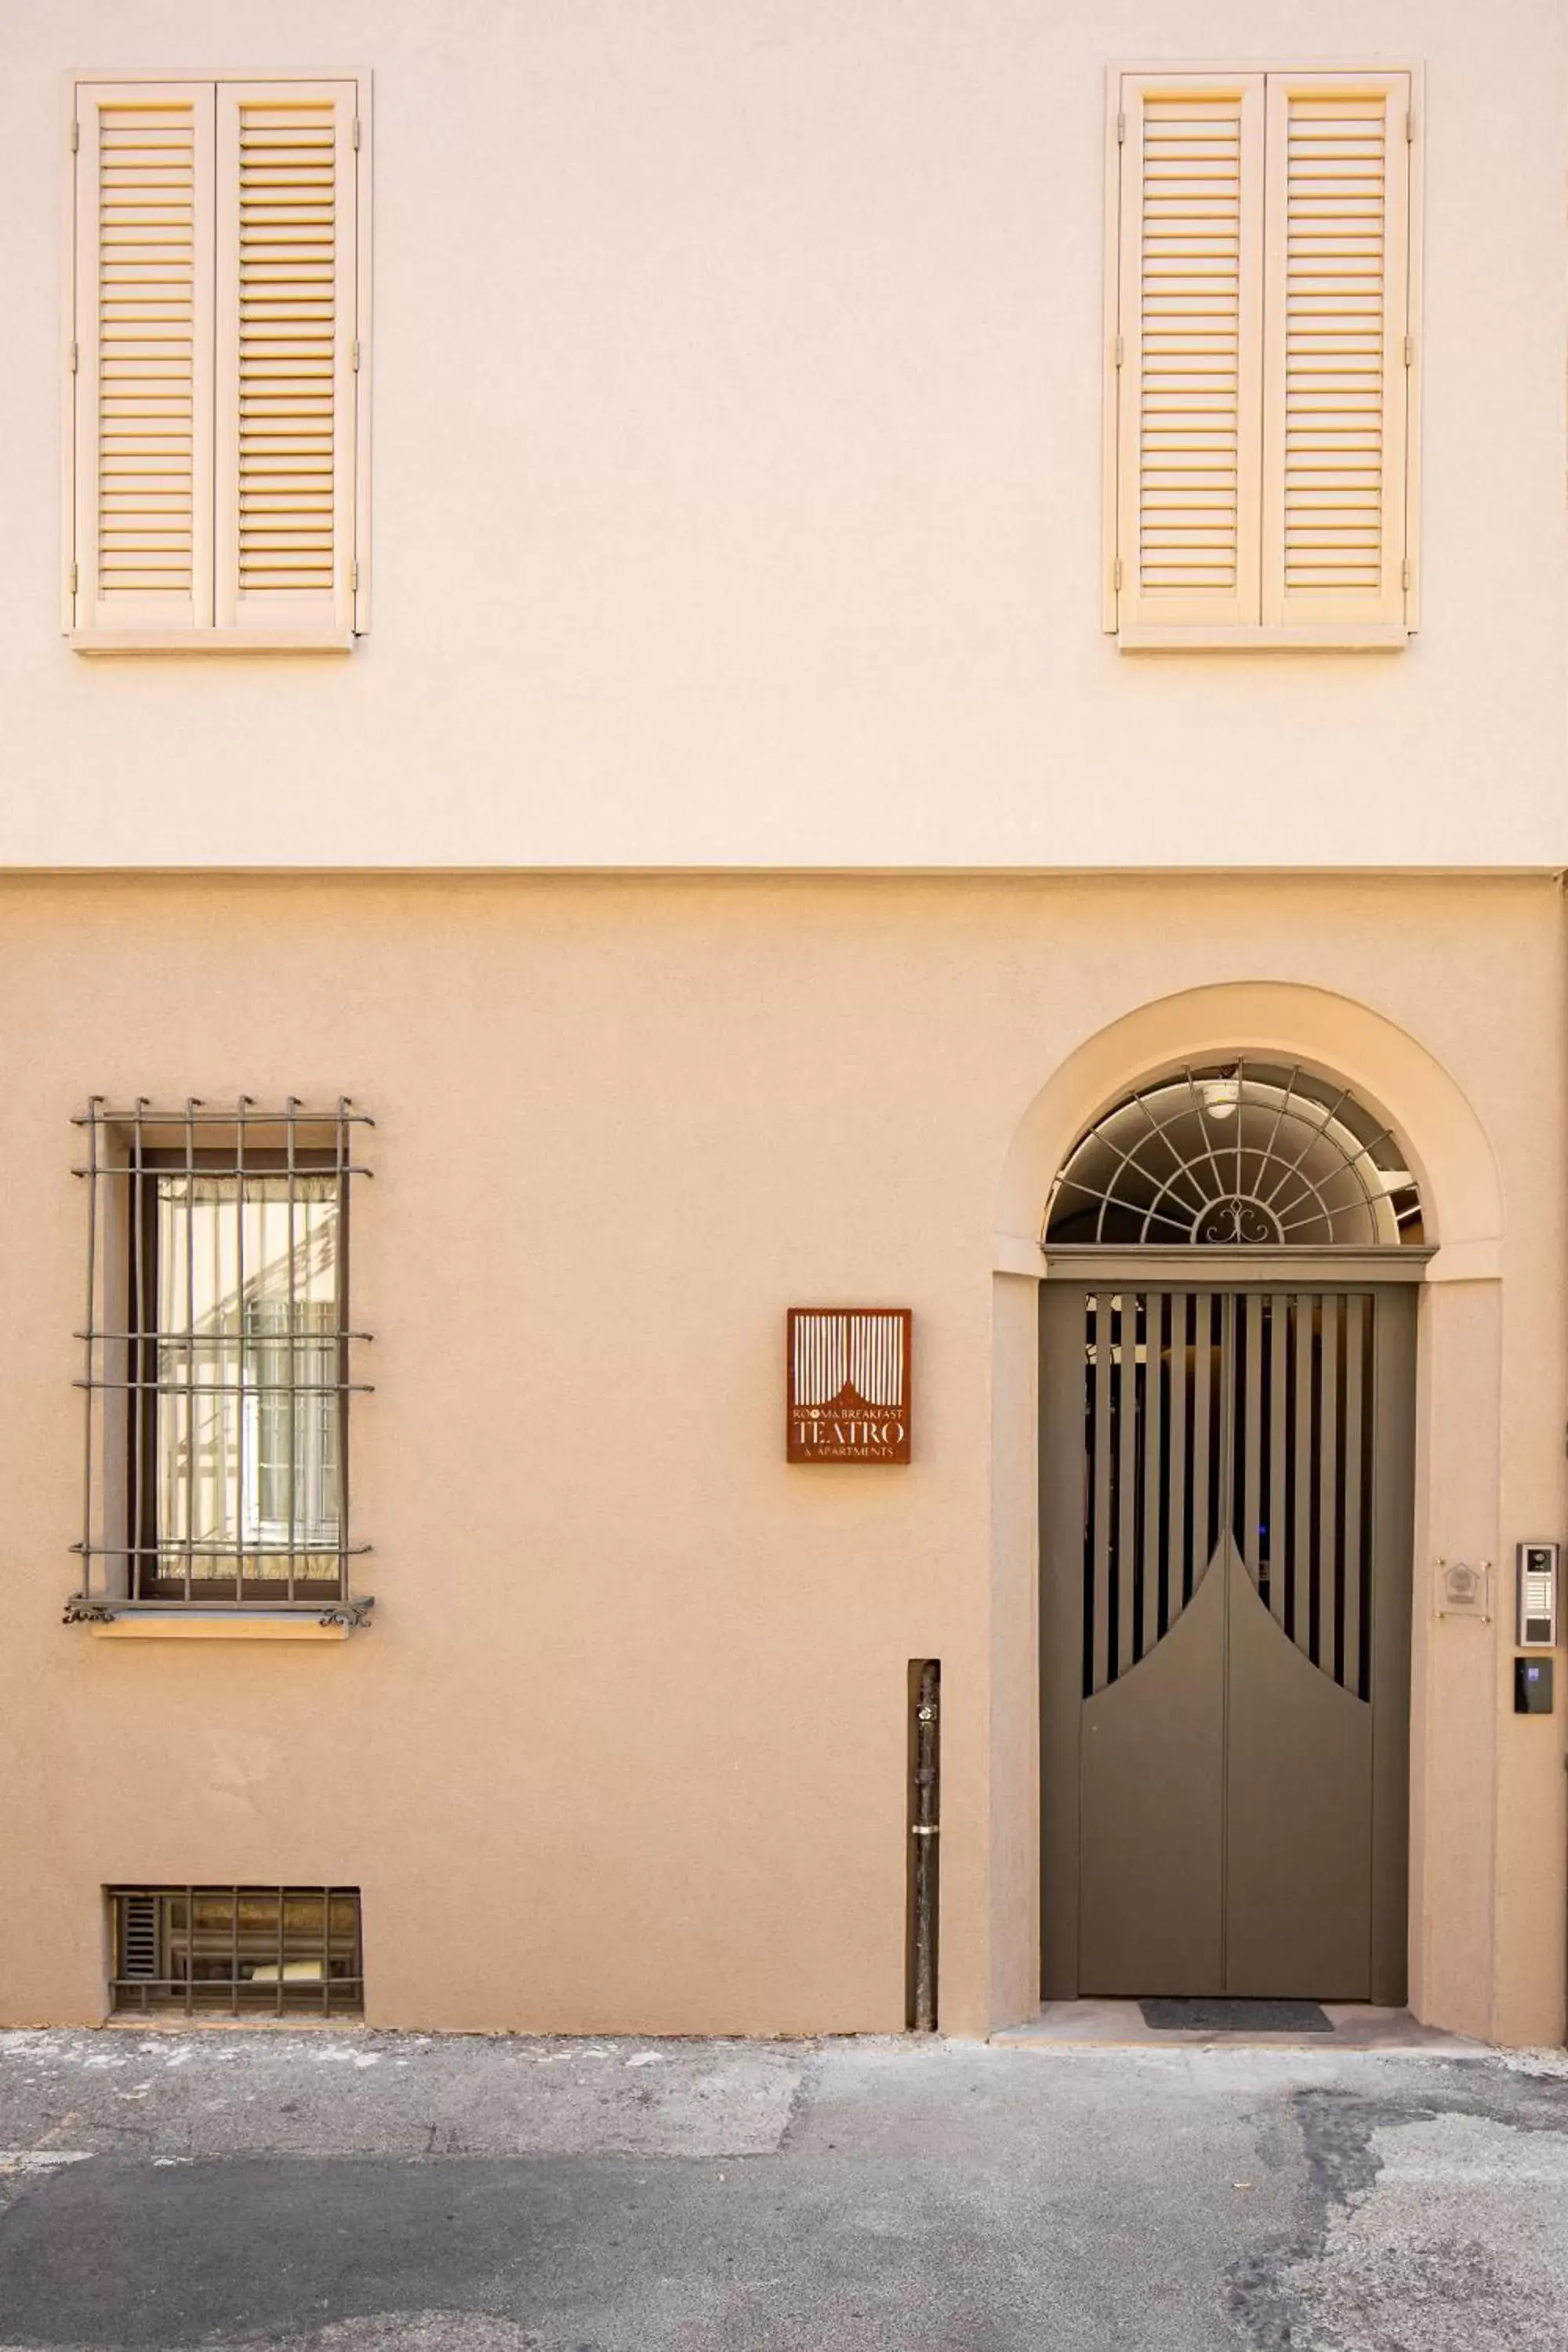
(736,432)
(625,1747)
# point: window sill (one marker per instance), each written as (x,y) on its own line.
(211,641)
(217,1625)
(1386,638)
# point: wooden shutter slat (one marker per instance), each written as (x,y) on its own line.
(287,184)
(1335,392)
(142,405)
(1190,295)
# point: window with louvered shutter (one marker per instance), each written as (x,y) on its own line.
(1334,367)
(1191,288)
(218,365)
(144,356)
(1260,365)
(285,370)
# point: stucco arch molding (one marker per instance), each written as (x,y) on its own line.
(1447,1147)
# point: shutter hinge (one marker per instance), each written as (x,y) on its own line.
(1409,350)
(1116,575)
(353,577)
(75,135)
(75,575)
(1119,351)
(1405,574)
(1121,129)
(356,355)
(356,135)
(1409,122)
(75,357)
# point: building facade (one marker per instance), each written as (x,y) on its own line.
(667,664)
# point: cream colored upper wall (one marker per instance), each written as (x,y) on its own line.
(736,461)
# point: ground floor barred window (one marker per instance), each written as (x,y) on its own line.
(237,1951)
(219,1355)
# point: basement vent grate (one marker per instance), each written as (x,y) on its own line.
(237,1951)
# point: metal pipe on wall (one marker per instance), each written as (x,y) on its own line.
(925,1833)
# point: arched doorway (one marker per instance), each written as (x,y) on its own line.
(1227,1449)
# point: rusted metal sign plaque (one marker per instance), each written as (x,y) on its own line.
(847,1372)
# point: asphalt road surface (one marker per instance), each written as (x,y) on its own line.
(358,2192)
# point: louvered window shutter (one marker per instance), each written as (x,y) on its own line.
(287,233)
(1336,395)
(144,343)
(1190,296)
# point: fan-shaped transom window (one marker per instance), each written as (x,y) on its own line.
(1260,1154)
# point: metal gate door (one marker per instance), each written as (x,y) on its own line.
(1227,1480)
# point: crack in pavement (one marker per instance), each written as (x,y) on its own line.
(1415,2237)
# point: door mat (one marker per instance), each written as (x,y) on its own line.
(1235,2017)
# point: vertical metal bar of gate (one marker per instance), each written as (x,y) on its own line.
(1174,1568)
(1323,1650)
(1103,1662)
(1302,1546)
(1356,1317)
(1127,1485)
(1232,1339)
(1151,1619)
(1250,1324)
(1279,1339)
(1203,1385)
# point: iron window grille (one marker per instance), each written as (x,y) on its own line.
(216,1367)
(1254,1153)
(237,1951)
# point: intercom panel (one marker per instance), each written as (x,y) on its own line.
(1538,1579)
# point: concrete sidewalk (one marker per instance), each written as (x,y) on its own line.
(328,2191)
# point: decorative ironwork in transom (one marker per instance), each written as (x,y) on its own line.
(1254,1154)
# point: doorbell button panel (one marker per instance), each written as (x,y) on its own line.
(1532,1685)
(1538,1579)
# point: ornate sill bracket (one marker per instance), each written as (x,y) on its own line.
(353,1613)
(80,1610)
